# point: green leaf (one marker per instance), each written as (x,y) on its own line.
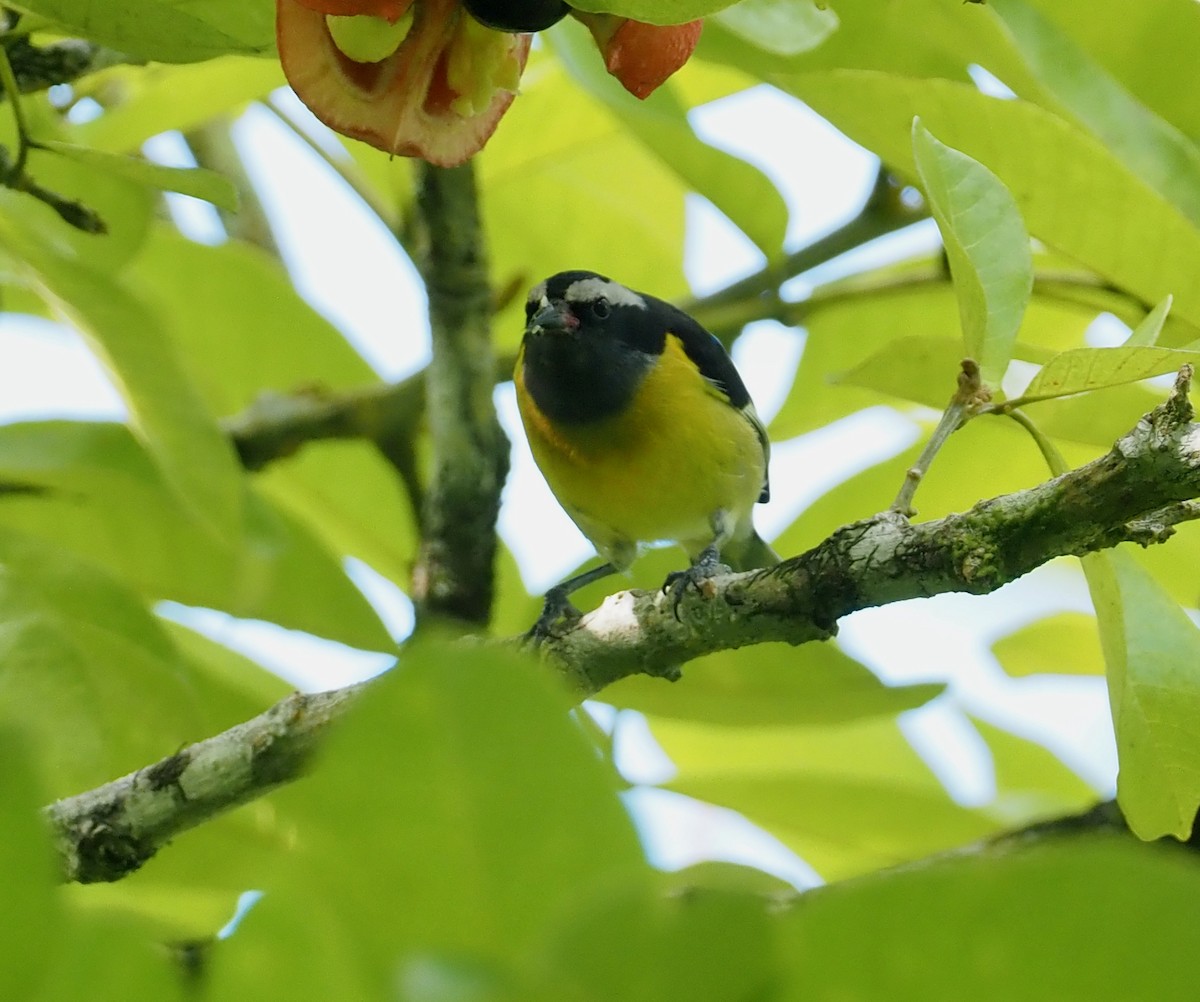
(1151,648)
(32,943)
(1153,149)
(103,499)
(452,829)
(109,955)
(169,31)
(984,459)
(1066,643)
(781,27)
(851,326)
(166,412)
(1031,781)
(999,925)
(1082,369)
(704,945)
(847,798)
(256,335)
(1146,333)
(160,98)
(987,247)
(258,338)
(81,657)
(231,686)
(719,875)
(1057,173)
(195,181)
(921,38)
(124,207)
(738,189)
(474,824)
(540,147)
(1116,35)
(1100,418)
(920,368)
(772,684)
(350,497)
(853,322)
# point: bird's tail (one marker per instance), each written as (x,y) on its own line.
(749,554)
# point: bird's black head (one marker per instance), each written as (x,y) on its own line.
(589,342)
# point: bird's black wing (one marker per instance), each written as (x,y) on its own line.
(715,365)
(709,355)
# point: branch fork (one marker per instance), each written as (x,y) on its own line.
(1145,485)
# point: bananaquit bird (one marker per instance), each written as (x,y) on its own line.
(643,429)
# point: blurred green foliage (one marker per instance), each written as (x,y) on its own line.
(464,837)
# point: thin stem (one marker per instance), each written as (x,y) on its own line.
(883,212)
(957,413)
(13,93)
(1054,458)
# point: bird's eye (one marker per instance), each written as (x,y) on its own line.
(601,309)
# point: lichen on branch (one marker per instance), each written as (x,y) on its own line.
(1137,492)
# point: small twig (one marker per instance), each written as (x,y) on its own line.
(71,211)
(960,409)
(13,93)
(12,174)
(756,297)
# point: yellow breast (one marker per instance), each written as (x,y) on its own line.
(658,471)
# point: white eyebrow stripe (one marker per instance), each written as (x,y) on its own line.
(537,294)
(588,290)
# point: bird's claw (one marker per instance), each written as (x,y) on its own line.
(678,582)
(557,607)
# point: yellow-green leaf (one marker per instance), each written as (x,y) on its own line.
(986,244)
(166,30)
(1073,194)
(166,411)
(772,684)
(1069,918)
(1081,369)
(1152,148)
(1152,649)
(204,184)
(1063,644)
(739,189)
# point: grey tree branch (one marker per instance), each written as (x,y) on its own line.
(1145,485)
(109,832)
(455,573)
(277,425)
(1135,493)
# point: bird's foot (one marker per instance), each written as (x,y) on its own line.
(557,607)
(707,566)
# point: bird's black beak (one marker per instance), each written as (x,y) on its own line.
(552,318)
